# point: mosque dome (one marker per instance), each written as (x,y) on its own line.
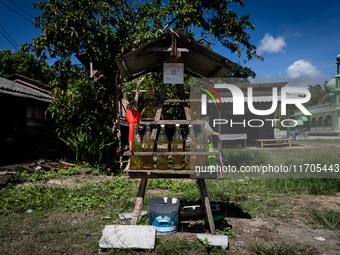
(331,84)
(338,58)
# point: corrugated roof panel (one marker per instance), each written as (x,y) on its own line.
(17,89)
(194,56)
(259,85)
(258,99)
(205,65)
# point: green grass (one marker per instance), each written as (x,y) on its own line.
(117,192)
(62,173)
(317,141)
(62,216)
(243,157)
(86,197)
(276,156)
(313,153)
(169,184)
(253,196)
(283,249)
(329,219)
(50,232)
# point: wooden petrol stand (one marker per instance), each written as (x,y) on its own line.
(144,175)
(216,66)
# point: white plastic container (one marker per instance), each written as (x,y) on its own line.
(163,214)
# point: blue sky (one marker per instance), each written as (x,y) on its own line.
(296,38)
(20,29)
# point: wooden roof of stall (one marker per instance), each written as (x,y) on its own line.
(173,46)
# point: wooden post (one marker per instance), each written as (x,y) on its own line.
(139,201)
(159,110)
(184,106)
(206,203)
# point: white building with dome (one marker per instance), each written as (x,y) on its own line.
(325,119)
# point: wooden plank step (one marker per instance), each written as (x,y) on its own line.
(171,100)
(158,171)
(171,122)
(129,153)
(169,175)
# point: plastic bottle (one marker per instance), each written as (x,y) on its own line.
(135,161)
(177,146)
(162,146)
(190,146)
(149,106)
(202,146)
(147,146)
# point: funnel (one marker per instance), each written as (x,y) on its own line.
(208,130)
(132,117)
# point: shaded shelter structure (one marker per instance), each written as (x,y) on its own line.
(22,108)
(198,61)
(173,46)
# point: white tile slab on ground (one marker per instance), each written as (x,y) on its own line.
(128,236)
(214,240)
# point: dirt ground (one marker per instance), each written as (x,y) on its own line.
(71,182)
(291,224)
(296,230)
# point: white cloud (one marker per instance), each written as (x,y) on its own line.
(302,68)
(271,45)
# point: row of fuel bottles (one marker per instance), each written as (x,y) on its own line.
(178,162)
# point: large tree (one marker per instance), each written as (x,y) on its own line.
(105,29)
(25,64)
(318,94)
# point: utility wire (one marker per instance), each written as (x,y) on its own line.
(21,9)
(17,12)
(17,46)
(9,40)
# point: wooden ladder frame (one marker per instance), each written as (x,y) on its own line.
(145,175)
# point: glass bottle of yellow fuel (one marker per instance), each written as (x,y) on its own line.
(147,146)
(162,146)
(202,146)
(190,146)
(177,146)
(195,105)
(149,111)
(135,161)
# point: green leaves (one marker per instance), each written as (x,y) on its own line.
(89,146)
(82,115)
(113,27)
(25,64)
(90,196)
(102,30)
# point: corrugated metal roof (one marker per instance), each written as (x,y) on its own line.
(29,82)
(151,56)
(256,99)
(259,98)
(16,89)
(259,85)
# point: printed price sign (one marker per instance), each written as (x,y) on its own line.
(173,73)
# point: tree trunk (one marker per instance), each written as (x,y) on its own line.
(116,132)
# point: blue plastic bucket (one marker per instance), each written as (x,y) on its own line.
(163,214)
